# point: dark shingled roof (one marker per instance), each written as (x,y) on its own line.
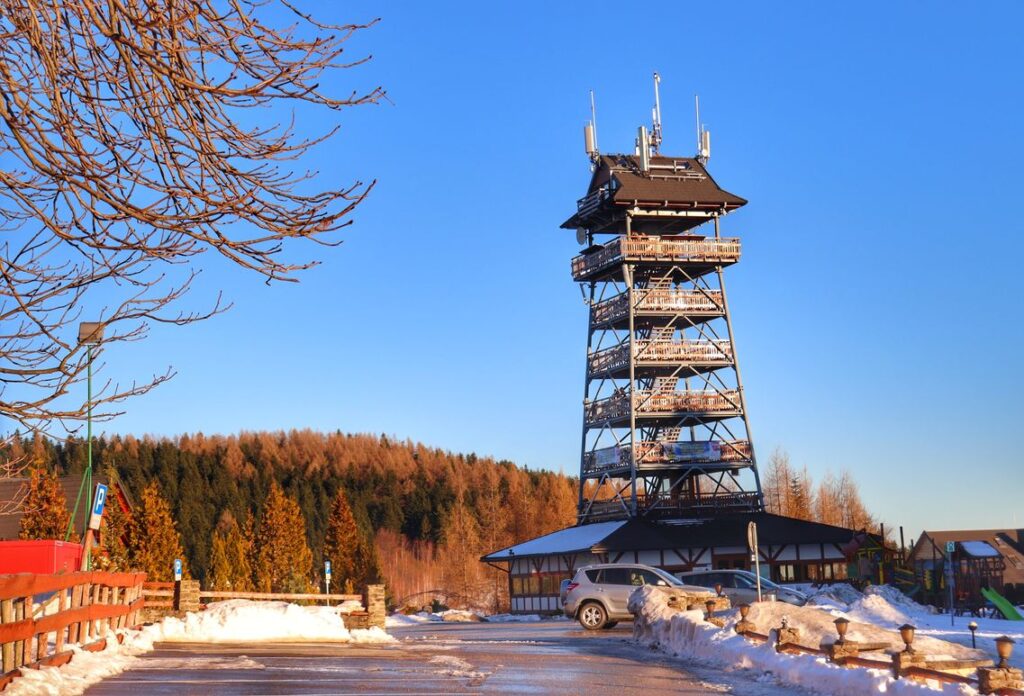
(671,182)
(16,488)
(724,530)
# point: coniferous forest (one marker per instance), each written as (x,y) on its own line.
(423,516)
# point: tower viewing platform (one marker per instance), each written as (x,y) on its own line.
(693,354)
(705,456)
(698,255)
(682,407)
(655,303)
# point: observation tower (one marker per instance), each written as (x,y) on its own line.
(665,426)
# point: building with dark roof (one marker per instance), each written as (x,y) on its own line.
(668,469)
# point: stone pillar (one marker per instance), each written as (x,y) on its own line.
(186,595)
(373,600)
(904,659)
(838,652)
(992,679)
(787,635)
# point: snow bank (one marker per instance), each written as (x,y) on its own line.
(234,621)
(686,634)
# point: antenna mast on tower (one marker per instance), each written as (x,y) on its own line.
(656,118)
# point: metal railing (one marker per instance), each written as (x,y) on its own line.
(659,300)
(685,351)
(656,249)
(658,506)
(652,401)
(654,453)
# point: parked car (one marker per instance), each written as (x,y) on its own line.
(598,594)
(740,586)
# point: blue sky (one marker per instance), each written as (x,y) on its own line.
(877,306)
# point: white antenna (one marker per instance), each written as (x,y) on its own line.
(590,132)
(703,135)
(656,117)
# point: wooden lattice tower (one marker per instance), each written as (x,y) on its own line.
(665,430)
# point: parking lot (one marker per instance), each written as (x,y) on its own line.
(550,657)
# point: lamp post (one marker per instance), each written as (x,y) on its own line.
(973,626)
(907,636)
(1004,647)
(842,624)
(90,333)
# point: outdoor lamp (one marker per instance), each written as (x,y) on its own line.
(710,604)
(907,634)
(973,626)
(841,625)
(744,610)
(90,333)
(718,589)
(1004,646)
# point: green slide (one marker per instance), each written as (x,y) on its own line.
(1009,611)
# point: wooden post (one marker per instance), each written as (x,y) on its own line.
(19,645)
(59,646)
(75,630)
(6,617)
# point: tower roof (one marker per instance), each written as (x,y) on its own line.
(670,183)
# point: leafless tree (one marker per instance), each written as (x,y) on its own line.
(136,135)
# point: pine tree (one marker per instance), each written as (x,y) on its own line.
(153,539)
(230,569)
(342,543)
(284,562)
(46,511)
(115,554)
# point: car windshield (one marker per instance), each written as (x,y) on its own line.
(752,580)
(668,578)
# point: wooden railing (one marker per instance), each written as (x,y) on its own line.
(665,506)
(687,351)
(79,607)
(650,401)
(656,249)
(659,300)
(164,595)
(658,453)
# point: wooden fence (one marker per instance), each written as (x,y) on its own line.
(74,608)
(988,679)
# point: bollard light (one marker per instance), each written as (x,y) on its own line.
(842,624)
(710,604)
(907,634)
(744,610)
(718,589)
(973,626)
(1004,646)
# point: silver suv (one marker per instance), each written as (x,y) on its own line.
(598,594)
(740,586)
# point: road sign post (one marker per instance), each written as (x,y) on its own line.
(177,570)
(327,579)
(950,578)
(754,555)
(95,520)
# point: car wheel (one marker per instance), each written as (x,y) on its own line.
(593,616)
(610,624)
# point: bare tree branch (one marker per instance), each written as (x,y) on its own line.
(128,147)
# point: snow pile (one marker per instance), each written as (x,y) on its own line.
(459,616)
(455,615)
(840,595)
(234,621)
(457,667)
(686,634)
(245,621)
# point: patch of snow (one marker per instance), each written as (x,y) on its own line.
(513,618)
(457,667)
(686,634)
(579,538)
(234,621)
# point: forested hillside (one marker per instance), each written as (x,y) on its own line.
(429,513)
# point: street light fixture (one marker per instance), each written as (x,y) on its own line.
(973,626)
(90,334)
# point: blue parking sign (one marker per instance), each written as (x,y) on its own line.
(99,503)
(177,569)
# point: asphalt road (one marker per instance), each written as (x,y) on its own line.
(551,657)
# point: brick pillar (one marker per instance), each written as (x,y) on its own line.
(186,595)
(993,679)
(373,600)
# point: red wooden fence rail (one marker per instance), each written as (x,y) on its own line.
(88,604)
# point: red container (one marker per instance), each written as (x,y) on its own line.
(44,557)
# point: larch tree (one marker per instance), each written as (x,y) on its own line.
(460,554)
(342,543)
(115,535)
(284,562)
(136,137)
(153,539)
(45,508)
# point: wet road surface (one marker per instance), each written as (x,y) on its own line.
(551,657)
